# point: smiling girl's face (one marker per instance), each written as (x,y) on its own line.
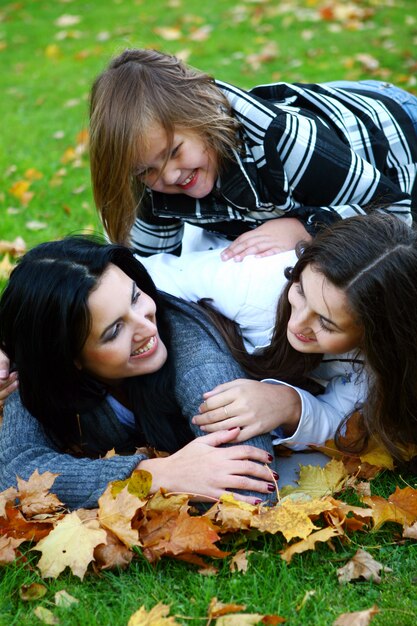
(190,168)
(321,321)
(123,340)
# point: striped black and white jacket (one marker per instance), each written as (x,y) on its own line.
(310,151)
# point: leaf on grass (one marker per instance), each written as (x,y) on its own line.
(362,565)
(8,546)
(112,554)
(157,616)
(240,619)
(239,562)
(291,518)
(168,33)
(357,618)
(15,248)
(231,514)
(64,600)
(34,494)
(401,507)
(31,592)
(410,532)
(5,267)
(216,608)
(70,544)
(46,616)
(319,481)
(35,225)
(14,524)
(310,543)
(116,513)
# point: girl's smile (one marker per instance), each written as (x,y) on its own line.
(123,339)
(320,319)
(189,167)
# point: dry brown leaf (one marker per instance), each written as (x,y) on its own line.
(410,532)
(116,513)
(70,544)
(64,599)
(8,546)
(15,248)
(8,496)
(361,565)
(112,554)
(14,524)
(157,616)
(239,562)
(46,616)
(310,543)
(357,618)
(401,507)
(34,494)
(231,514)
(216,608)
(239,619)
(31,592)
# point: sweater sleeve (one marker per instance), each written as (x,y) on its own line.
(322,414)
(25,447)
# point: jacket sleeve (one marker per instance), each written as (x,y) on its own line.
(25,447)
(151,234)
(322,414)
(317,177)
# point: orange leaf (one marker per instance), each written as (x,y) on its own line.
(310,543)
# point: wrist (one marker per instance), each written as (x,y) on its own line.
(156,467)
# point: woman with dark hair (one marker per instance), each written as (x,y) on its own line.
(348,317)
(106,361)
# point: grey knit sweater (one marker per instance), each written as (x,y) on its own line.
(201,361)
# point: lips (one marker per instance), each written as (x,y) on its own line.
(303,338)
(147,349)
(189,181)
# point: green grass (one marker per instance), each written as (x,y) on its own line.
(45,77)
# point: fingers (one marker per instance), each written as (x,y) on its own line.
(8,385)
(219,438)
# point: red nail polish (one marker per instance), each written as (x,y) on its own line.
(270,458)
(271,487)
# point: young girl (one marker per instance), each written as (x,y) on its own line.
(104,362)
(169,145)
(352,291)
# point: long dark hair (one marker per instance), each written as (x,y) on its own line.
(373,259)
(45,321)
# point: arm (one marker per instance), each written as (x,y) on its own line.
(24,447)
(153,235)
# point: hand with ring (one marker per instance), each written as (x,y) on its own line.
(255,407)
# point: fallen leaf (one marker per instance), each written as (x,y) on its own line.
(8,546)
(138,484)
(319,481)
(46,616)
(35,225)
(115,513)
(357,618)
(362,565)
(63,599)
(168,33)
(15,248)
(240,619)
(31,592)
(216,609)
(401,507)
(70,544)
(239,562)
(34,494)
(310,543)
(67,20)
(112,554)
(157,616)
(410,532)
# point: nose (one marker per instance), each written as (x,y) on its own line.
(170,175)
(300,320)
(144,326)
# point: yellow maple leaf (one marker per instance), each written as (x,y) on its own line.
(291,517)
(324,534)
(138,484)
(319,481)
(157,616)
(70,544)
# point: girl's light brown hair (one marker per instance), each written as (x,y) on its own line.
(141,88)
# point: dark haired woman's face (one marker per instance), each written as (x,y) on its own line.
(124,339)
(320,321)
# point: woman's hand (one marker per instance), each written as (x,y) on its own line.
(255,407)
(206,471)
(8,382)
(272,237)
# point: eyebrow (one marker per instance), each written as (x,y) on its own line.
(323,317)
(134,286)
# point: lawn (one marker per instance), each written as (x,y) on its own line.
(51,50)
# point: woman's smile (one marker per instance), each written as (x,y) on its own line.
(146,350)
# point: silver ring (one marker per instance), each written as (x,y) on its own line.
(226,412)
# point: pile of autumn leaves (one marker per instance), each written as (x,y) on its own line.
(128,520)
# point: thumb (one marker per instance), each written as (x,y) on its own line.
(220,437)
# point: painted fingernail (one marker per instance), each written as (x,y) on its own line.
(275,475)
(271,487)
(258,502)
(270,458)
